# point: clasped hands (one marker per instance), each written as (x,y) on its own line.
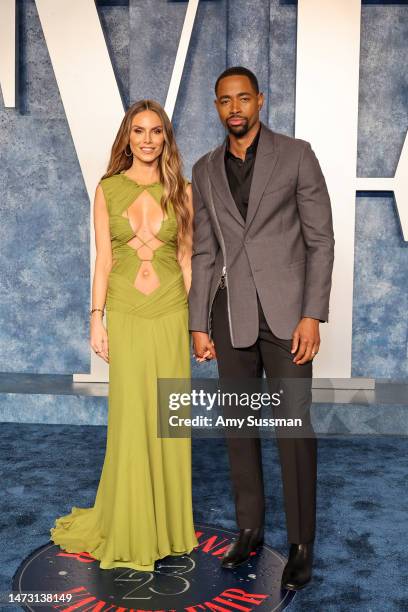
(305,343)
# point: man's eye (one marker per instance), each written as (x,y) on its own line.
(245,99)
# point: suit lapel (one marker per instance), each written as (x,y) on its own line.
(219,180)
(265,162)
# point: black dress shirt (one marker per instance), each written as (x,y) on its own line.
(239,174)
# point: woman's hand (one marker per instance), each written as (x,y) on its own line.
(99,337)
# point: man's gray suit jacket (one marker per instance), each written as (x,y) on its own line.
(284,250)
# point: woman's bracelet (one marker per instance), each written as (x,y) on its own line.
(102,310)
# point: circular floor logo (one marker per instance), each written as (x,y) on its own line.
(188,583)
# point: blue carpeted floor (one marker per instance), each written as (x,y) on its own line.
(362,506)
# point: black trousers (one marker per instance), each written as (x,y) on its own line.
(298,455)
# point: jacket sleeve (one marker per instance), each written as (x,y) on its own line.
(315,213)
(205,248)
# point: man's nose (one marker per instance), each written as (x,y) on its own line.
(236,106)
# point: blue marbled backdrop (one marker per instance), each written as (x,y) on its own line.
(380,306)
(44,228)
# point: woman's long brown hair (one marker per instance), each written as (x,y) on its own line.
(170,164)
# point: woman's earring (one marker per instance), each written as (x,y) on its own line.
(126,153)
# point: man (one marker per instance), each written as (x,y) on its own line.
(262,264)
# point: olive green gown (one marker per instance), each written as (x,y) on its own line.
(143,506)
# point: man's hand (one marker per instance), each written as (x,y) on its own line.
(203,347)
(305,340)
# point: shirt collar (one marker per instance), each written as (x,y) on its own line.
(250,151)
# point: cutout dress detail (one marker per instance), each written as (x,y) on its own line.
(143,505)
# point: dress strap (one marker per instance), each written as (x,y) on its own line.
(144,242)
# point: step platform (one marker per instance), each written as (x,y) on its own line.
(56,399)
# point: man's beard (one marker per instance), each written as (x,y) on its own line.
(238,130)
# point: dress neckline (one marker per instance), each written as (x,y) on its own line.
(122,173)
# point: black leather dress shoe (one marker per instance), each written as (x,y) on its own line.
(298,569)
(240,550)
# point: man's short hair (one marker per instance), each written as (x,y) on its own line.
(240,70)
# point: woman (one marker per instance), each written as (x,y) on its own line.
(143,230)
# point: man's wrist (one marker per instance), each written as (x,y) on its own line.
(311,318)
